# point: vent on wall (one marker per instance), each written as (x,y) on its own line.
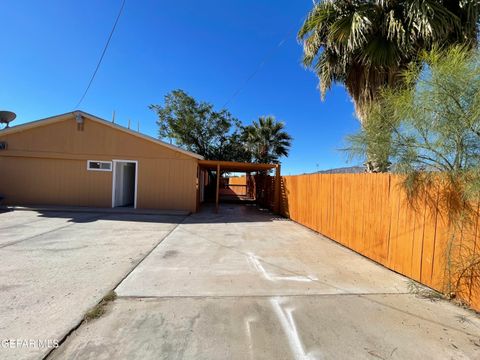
(80,121)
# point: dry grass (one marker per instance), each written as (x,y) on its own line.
(100,309)
(423,291)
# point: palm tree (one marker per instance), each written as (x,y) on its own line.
(267,140)
(367,44)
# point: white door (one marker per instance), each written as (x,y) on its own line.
(124,186)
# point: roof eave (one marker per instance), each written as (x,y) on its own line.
(56,118)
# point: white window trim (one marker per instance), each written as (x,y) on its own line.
(136,180)
(99,161)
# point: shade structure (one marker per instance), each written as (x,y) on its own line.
(232,166)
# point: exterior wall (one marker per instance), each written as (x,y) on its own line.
(169,183)
(47,165)
(39,181)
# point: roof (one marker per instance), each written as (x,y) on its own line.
(58,118)
(234,166)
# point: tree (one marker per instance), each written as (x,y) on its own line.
(366,45)
(197,127)
(432,124)
(267,140)
(232,148)
(430,131)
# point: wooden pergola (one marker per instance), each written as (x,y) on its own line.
(231,166)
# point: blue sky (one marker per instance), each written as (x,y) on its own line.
(207,48)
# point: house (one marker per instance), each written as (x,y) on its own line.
(77,159)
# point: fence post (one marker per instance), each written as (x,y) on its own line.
(277,206)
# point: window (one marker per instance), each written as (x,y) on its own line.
(99,165)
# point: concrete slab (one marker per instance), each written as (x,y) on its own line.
(55,266)
(247,285)
(209,256)
(15,227)
(240,284)
(301,327)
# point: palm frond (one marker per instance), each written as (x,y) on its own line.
(379,39)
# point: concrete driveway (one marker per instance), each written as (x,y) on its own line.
(245,285)
(54,266)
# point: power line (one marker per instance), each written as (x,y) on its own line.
(103,54)
(257,69)
(260,65)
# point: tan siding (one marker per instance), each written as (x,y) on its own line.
(171,183)
(52,182)
(96,139)
(47,165)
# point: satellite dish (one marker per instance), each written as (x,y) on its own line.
(6,117)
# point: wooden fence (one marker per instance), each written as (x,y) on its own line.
(238,185)
(370,214)
(260,188)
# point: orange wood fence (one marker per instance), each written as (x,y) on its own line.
(238,185)
(370,214)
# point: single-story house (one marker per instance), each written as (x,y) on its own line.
(77,159)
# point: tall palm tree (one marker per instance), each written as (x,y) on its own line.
(366,44)
(267,140)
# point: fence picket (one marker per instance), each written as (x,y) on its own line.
(370,214)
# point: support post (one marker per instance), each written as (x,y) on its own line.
(217,195)
(278,185)
(199,174)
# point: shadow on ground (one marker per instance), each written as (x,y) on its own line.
(228,213)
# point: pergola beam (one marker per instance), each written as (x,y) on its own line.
(231,166)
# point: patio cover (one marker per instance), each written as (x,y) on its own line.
(231,166)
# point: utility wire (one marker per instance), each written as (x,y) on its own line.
(260,65)
(103,54)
